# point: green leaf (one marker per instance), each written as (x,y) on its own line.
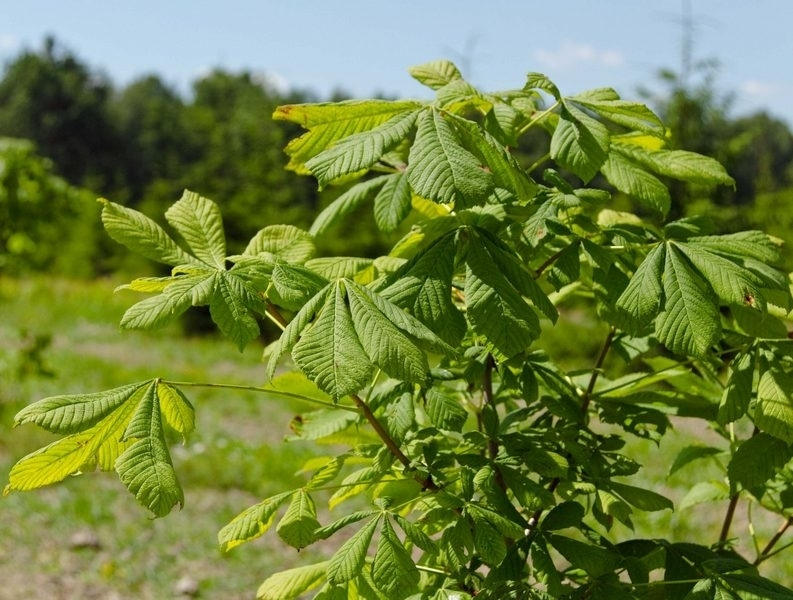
(561,516)
(199,222)
(360,151)
(511,266)
(641,498)
(346,204)
(538,81)
(756,587)
(176,408)
(393,570)
(291,334)
(424,287)
(349,559)
(293,286)
(251,523)
(678,164)
(631,179)
(507,172)
(331,121)
(741,245)
(595,560)
(705,491)
(490,546)
(444,410)
(178,296)
(392,202)
(757,460)
(292,583)
(232,308)
(98,445)
(633,115)
(140,234)
(286,242)
(339,267)
(689,324)
(435,74)
(75,412)
(773,412)
(440,169)
(330,353)
(385,345)
(638,305)
(738,391)
(580,143)
(733,283)
(145,468)
(691,453)
(495,308)
(299,523)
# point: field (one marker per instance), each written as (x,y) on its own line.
(87,538)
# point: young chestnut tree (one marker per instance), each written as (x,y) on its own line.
(479,465)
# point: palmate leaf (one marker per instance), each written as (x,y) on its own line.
(677,164)
(341,334)
(747,471)
(360,151)
(119,429)
(440,169)
(232,307)
(329,122)
(329,351)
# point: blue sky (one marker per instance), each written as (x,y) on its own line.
(365,47)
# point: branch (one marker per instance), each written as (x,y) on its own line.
(492,443)
(773,541)
(590,388)
(426,482)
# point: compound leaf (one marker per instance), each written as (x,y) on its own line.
(329,351)
(287,242)
(435,74)
(580,143)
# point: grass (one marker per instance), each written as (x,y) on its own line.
(235,458)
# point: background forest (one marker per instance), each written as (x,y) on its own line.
(66,128)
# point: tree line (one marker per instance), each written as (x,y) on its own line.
(143,143)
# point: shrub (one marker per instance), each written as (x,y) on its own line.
(468,462)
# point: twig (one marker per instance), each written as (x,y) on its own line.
(773,541)
(492,442)
(426,482)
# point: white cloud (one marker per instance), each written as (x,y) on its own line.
(571,55)
(9,42)
(760,89)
